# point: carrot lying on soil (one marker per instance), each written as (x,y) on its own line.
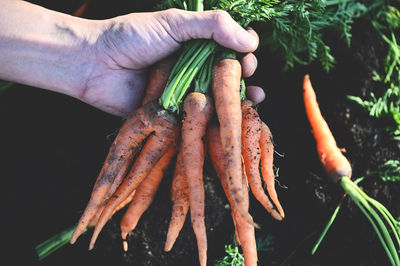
(226,90)
(165,129)
(144,195)
(267,165)
(180,203)
(198,109)
(125,146)
(244,231)
(251,151)
(333,161)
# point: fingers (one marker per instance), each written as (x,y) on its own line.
(249,65)
(212,24)
(255,94)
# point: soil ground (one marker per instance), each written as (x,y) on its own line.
(52,147)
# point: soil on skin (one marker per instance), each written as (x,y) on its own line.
(52,148)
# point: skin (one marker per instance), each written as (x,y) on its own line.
(105,62)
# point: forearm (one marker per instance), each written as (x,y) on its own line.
(44,48)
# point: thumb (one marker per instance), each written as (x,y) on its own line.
(213,24)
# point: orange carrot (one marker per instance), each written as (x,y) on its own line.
(198,109)
(166,131)
(251,133)
(333,161)
(144,195)
(82,9)
(226,90)
(115,168)
(158,78)
(267,165)
(180,203)
(244,231)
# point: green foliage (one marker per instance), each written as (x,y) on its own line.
(233,257)
(389,171)
(294,28)
(386,20)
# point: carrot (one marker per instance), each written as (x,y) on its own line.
(158,78)
(82,9)
(115,167)
(251,133)
(226,90)
(333,161)
(244,231)
(267,170)
(166,131)
(198,109)
(180,203)
(144,195)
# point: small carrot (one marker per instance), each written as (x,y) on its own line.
(82,9)
(180,203)
(333,161)
(198,109)
(144,195)
(244,231)
(267,170)
(226,90)
(165,127)
(158,78)
(251,151)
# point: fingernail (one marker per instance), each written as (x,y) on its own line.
(249,28)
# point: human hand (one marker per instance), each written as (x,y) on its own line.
(127,45)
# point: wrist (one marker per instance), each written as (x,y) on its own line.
(44,48)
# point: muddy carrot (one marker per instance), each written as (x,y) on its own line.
(115,167)
(333,161)
(158,78)
(226,90)
(180,203)
(198,109)
(144,195)
(251,151)
(267,165)
(166,131)
(244,231)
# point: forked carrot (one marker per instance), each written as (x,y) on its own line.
(333,161)
(267,165)
(165,127)
(115,167)
(244,231)
(180,203)
(251,151)
(198,109)
(144,195)
(226,90)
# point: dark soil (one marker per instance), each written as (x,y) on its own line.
(52,147)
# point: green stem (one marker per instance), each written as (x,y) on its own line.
(54,243)
(242,90)
(328,225)
(362,200)
(189,66)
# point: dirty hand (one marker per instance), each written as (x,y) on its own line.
(105,62)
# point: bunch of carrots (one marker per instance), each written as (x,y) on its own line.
(152,136)
(223,124)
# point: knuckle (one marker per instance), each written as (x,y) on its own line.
(221,17)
